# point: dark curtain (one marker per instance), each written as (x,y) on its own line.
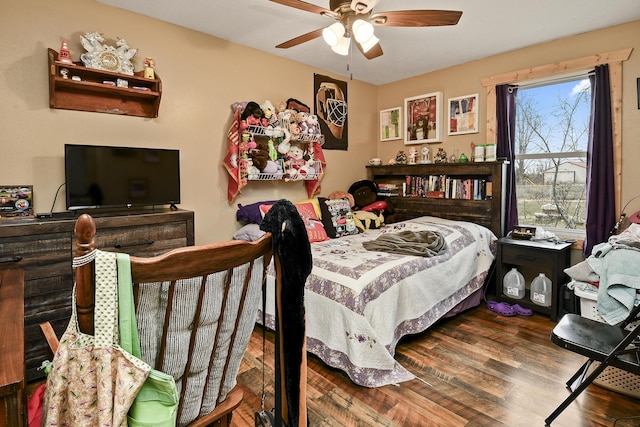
(600,189)
(506,130)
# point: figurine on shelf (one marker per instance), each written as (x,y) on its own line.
(413,154)
(149,68)
(425,157)
(401,158)
(441,156)
(64,55)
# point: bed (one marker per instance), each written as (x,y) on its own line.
(360,303)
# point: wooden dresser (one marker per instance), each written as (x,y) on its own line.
(12,374)
(44,250)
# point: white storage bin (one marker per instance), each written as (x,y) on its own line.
(588,306)
(611,378)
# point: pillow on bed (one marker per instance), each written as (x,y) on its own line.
(250,214)
(337,217)
(315,203)
(315,229)
(249,232)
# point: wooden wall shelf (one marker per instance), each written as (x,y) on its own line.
(91,94)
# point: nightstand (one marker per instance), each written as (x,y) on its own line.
(532,258)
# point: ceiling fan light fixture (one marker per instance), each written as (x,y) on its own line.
(342,48)
(362,30)
(333,34)
(366,46)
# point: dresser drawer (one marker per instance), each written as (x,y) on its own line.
(142,240)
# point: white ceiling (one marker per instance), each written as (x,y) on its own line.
(486,28)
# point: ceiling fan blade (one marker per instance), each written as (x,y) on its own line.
(374,52)
(301,39)
(363,6)
(302,5)
(416,18)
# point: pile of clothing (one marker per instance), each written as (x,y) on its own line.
(614,269)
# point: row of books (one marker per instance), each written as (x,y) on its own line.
(388,190)
(445,187)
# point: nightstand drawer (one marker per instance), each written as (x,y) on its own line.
(525,256)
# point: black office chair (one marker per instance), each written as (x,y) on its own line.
(617,346)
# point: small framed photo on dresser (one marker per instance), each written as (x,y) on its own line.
(16,201)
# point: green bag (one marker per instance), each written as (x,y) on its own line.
(157,401)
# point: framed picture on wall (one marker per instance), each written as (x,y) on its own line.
(463,115)
(391,124)
(423,119)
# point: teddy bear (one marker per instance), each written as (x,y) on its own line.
(259,154)
(297,164)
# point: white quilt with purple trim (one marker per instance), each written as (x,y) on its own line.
(360,303)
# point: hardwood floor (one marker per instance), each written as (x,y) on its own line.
(476,369)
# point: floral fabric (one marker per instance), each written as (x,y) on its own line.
(93,381)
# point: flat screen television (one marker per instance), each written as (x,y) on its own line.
(120,177)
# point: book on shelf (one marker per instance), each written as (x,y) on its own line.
(388,190)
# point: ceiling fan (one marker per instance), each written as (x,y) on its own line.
(355,19)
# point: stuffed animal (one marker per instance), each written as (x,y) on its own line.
(270,114)
(247,143)
(281,106)
(259,154)
(296,165)
(313,125)
(273,168)
(271,148)
(252,115)
(365,220)
(302,118)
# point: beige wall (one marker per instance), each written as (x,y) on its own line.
(465,79)
(202,76)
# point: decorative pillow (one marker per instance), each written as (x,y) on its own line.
(340,194)
(250,214)
(315,203)
(315,229)
(337,217)
(249,232)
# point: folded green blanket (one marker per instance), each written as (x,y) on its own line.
(417,243)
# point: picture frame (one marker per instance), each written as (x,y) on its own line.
(391,124)
(463,115)
(16,201)
(423,119)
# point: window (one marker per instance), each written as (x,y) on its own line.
(551,140)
